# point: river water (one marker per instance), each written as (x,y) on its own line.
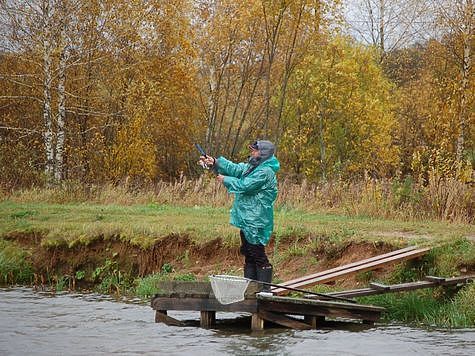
(40,323)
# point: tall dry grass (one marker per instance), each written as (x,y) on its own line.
(439,199)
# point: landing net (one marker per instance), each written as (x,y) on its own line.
(229,289)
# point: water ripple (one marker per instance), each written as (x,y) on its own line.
(46,323)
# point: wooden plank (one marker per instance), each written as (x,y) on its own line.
(257,323)
(392,289)
(347,266)
(162,317)
(434,279)
(318,310)
(399,287)
(378,286)
(202,304)
(325,303)
(189,289)
(300,306)
(184,288)
(207,319)
(360,268)
(284,320)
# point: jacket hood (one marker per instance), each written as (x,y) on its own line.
(271,162)
(266,151)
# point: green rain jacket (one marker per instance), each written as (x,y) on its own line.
(255,193)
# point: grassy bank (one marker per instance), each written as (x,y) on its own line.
(123,248)
(141,225)
(452,308)
(435,198)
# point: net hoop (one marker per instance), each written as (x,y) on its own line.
(229,289)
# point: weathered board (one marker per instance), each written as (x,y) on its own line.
(202,304)
(284,320)
(430,282)
(350,265)
(188,289)
(349,269)
(300,306)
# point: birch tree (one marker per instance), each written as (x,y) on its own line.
(457,19)
(29,37)
(388,24)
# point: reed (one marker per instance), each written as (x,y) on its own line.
(427,307)
(439,199)
(14,266)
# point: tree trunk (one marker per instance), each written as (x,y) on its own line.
(467,34)
(59,166)
(381,29)
(272,38)
(289,66)
(47,79)
(321,130)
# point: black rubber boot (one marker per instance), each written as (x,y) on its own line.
(250,271)
(264,274)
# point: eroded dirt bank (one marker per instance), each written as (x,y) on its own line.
(292,257)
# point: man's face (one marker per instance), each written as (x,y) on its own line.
(254,153)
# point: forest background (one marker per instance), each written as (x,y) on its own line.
(375,94)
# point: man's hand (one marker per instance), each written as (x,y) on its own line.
(206,161)
(220,178)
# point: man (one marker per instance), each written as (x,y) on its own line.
(254,186)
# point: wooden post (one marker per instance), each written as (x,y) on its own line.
(257,323)
(207,319)
(159,315)
(314,321)
(162,317)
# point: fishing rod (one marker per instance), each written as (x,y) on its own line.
(305,291)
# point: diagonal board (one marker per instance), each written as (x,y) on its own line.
(429,282)
(284,320)
(352,268)
(354,264)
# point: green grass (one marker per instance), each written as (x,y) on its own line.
(147,286)
(429,307)
(69,224)
(80,223)
(14,267)
(456,253)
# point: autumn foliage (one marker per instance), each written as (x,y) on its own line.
(113,91)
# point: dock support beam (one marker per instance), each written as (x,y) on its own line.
(162,317)
(314,321)
(257,323)
(207,319)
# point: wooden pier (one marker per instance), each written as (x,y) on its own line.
(283,311)
(297,313)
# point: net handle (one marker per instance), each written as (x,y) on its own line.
(323,295)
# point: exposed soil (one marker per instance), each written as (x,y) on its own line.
(188,257)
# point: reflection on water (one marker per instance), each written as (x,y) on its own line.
(90,324)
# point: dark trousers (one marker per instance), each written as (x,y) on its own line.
(253,254)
